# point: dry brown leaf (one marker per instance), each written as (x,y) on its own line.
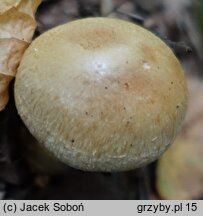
(4,82)
(180,170)
(5,5)
(26,6)
(11,51)
(10,55)
(17,26)
(29,7)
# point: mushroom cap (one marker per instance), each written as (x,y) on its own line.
(101,94)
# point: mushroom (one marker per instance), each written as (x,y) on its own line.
(101,94)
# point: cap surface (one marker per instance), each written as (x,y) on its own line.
(101,94)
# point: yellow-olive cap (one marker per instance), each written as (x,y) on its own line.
(101,94)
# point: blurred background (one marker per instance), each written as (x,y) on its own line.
(178,174)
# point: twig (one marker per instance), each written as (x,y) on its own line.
(133,16)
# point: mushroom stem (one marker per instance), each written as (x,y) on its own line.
(106,6)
